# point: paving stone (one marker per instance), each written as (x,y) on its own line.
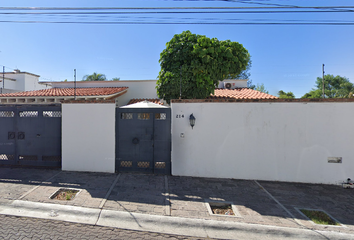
(138,193)
(93,186)
(14,182)
(333,199)
(185,196)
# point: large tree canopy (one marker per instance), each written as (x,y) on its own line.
(196,63)
(286,95)
(335,87)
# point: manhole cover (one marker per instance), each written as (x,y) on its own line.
(222,208)
(65,194)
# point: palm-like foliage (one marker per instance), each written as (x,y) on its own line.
(94,77)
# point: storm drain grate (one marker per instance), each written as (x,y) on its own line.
(65,194)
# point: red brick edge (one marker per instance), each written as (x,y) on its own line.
(88,101)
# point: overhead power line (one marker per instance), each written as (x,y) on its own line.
(172,12)
(193,23)
(169,8)
(173,15)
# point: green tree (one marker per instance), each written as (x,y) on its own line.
(244,75)
(261,88)
(115,79)
(197,63)
(334,86)
(250,84)
(94,77)
(286,95)
(313,94)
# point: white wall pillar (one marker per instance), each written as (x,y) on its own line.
(88,137)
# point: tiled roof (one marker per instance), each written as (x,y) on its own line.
(66,92)
(240,93)
(137,100)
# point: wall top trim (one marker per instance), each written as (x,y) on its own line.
(32,74)
(88,101)
(310,100)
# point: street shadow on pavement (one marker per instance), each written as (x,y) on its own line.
(181,196)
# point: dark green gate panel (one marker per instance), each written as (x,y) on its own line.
(33,135)
(143,140)
(8,136)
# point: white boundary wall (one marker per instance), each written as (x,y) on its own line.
(88,137)
(265,141)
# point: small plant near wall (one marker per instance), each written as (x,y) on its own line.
(319,217)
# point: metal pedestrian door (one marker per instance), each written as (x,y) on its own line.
(30,135)
(143,140)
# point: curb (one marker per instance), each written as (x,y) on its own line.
(162,224)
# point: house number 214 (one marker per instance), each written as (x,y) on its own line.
(180,116)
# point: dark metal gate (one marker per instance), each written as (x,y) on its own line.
(30,135)
(143,140)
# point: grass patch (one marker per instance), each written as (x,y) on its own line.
(319,217)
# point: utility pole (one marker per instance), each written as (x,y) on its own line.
(3,79)
(323,90)
(74,84)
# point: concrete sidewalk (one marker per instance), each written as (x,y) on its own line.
(179,205)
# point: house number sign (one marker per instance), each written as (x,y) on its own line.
(180,116)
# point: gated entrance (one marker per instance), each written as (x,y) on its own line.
(143,138)
(30,135)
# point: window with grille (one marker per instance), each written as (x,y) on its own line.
(143,164)
(126,115)
(7,114)
(5,157)
(160,165)
(51,113)
(160,116)
(28,114)
(126,163)
(28,157)
(51,158)
(143,116)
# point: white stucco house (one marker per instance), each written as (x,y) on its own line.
(122,92)
(18,81)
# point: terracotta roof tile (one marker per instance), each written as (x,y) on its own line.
(240,93)
(66,92)
(137,100)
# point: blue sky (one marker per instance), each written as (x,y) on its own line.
(284,57)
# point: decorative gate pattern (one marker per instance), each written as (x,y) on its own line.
(30,135)
(143,140)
